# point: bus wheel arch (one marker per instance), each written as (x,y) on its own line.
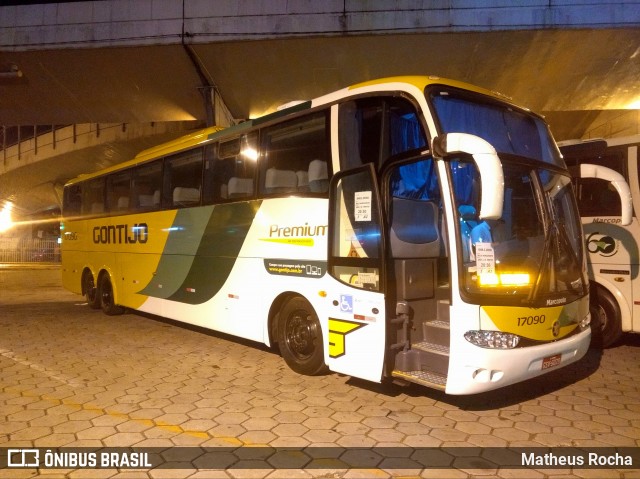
(605,317)
(90,289)
(274,315)
(106,295)
(299,335)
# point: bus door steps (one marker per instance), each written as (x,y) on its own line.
(436,332)
(425,378)
(433,357)
(443,310)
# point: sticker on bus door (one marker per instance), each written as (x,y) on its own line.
(356,332)
(362,206)
(485,259)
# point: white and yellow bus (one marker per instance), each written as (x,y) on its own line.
(413,228)
(609,201)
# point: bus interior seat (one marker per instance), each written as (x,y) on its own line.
(303,180)
(123,203)
(414,229)
(280,181)
(481,233)
(145,200)
(240,187)
(185,196)
(468,221)
(149,200)
(97,208)
(318,176)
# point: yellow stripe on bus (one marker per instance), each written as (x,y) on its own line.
(542,324)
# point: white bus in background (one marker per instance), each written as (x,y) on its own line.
(611,228)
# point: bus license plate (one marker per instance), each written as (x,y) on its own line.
(551,361)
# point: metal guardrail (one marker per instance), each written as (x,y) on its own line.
(29,250)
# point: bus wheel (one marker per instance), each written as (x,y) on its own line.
(605,318)
(90,291)
(300,337)
(106,297)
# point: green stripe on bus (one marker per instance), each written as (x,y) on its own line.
(210,239)
(185,235)
(218,251)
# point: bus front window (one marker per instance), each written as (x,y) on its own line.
(533,253)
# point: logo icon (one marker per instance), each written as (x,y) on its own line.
(338,330)
(23,458)
(602,244)
(346,303)
(556,329)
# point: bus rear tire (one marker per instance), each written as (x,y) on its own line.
(300,337)
(90,291)
(107,301)
(606,328)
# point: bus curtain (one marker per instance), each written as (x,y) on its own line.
(415,180)
(509,131)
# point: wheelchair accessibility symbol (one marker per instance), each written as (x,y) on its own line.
(346,303)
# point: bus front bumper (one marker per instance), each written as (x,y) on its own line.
(487,369)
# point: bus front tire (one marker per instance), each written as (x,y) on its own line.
(107,302)
(605,318)
(90,291)
(300,337)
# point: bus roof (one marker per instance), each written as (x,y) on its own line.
(422,81)
(216,132)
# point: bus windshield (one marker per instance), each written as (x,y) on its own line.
(509,130)
(532,255)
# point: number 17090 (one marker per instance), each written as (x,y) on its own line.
(531,320)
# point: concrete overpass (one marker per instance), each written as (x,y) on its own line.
(155,67)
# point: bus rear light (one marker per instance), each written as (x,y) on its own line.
(492,339)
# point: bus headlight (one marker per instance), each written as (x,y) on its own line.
(492,339)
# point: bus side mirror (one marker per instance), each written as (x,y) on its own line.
(488,163)
(617,180)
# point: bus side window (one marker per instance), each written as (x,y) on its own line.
(295,156)
(119,191)
(147,185)
(209,183)
(233,171)
(376,128)
(72,202)
(597,197)
(183,178)
(93,197)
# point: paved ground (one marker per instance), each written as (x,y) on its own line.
(73,377)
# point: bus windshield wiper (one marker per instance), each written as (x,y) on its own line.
(545,265)
(574,262)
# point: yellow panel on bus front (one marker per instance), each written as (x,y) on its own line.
(539,324)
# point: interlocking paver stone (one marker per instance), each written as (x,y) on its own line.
(84,379)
